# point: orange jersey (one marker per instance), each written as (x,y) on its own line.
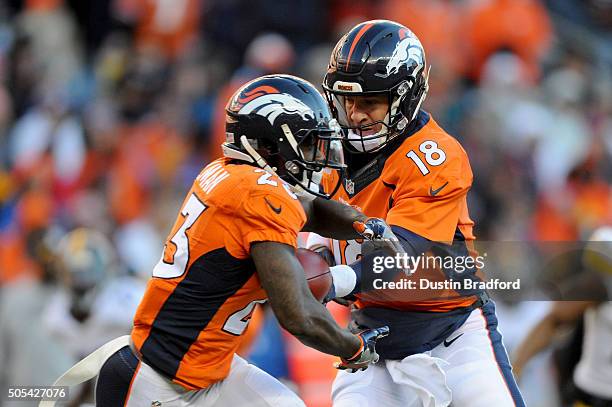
(205,287)
(421,186)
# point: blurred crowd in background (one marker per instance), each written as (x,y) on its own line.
(110,108)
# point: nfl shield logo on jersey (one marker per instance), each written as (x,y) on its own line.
(349,186)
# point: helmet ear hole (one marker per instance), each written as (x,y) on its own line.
(411,94)
(403,88)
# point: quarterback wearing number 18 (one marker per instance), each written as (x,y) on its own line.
(404,168)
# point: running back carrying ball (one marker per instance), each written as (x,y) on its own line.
(317,273)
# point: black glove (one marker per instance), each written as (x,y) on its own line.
(367,354)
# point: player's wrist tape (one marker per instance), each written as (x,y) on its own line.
(344,279)
(359,226)
(372,228)
(358,353)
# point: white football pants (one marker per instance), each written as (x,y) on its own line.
(469,369)
(246,385)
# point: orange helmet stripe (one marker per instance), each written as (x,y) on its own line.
(259,91)
(356,40)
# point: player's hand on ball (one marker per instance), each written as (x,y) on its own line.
(367,355)
(379,236)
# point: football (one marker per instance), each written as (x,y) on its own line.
(317,272)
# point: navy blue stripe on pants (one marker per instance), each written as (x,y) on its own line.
(501,356)
(115,378)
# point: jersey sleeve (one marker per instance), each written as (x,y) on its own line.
(430,205)
(271,214)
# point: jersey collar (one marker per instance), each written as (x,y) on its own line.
(365,168)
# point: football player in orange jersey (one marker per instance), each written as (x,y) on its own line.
(233,247)
(444,346)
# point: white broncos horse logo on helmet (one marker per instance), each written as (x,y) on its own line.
(405,50)
(273,105)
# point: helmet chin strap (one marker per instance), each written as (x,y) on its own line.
(259,160)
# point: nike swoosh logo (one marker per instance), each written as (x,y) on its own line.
(434,192)
(449,343)
(274,208)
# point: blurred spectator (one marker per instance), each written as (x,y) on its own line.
(537,384)
(567,136)
(139,246)
(584,25)
(22,75)
(439,26)
(521,26)
(95,302)
(590,371)
(267,53)
(500,145)
(49,131)
(233,24)
(168,26)
(51,33)
(344,14)
(27,353)
(312,63)
(6,112)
